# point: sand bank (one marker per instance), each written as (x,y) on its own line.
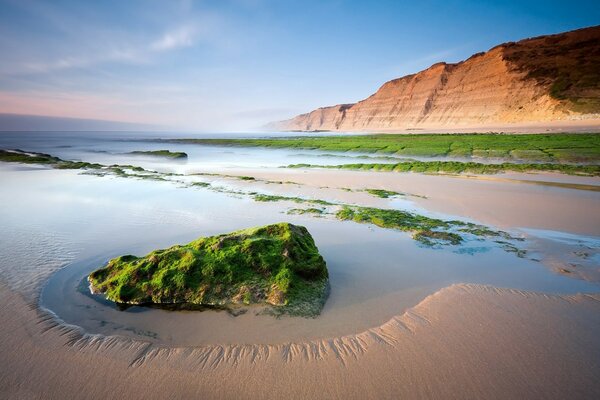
(465,341)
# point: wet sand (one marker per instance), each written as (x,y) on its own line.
(374,273)
(498,200)
(466,341)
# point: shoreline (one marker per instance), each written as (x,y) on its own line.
(54,321)
(394,353)
(583,125)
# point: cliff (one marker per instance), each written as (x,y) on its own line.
(547,78)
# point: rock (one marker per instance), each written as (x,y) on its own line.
(276,265)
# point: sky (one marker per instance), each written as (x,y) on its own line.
(234,65)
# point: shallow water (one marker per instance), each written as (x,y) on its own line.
(112,148)
(52,218)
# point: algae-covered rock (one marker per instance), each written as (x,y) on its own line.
(161,153)
(277,264)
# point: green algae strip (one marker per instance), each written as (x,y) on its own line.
(23,157)
(19,156)
(552,148)
(426,230)
(160,153)
(271,198)
(456,167)
(277,265)
(304,211)
(382,193)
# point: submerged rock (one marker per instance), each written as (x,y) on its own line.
(277,265)
(161,153)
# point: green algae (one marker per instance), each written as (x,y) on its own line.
(302,211)
(391,219)
(277,265)
(200,184)
(456,167)
(19,156)
(160,153)
(426,230)
(124,171)
(269,198)
(382,193)
(431,238)
(563,147)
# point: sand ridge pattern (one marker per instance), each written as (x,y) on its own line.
(463,341)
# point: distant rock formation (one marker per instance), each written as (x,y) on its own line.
(548,78)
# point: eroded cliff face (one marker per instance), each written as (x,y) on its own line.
(547,78)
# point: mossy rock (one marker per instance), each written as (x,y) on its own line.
(161,153)
(277,265)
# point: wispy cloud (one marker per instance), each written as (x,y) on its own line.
(128,55)
(184,36)
(181,37)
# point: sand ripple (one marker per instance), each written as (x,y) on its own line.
(29,256)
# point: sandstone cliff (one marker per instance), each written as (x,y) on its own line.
(548,78)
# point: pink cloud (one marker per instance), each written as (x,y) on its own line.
(66,105)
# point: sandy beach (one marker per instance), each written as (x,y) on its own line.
(492,342)
(402,320)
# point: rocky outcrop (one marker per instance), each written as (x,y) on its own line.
(277,264)
(547,78)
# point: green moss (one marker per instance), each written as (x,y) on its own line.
(426,230)
(117,170)
(23,157)
(269,197)
(384,194)
(483,231)
(19,156)
(200,184)
(276,264)
(133,168)
(302,211)
(76,165)
(125,171)
(161,153)
(455,167)
(393,219)
(431,238)
(573,147)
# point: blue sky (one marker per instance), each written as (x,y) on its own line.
(237,64)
